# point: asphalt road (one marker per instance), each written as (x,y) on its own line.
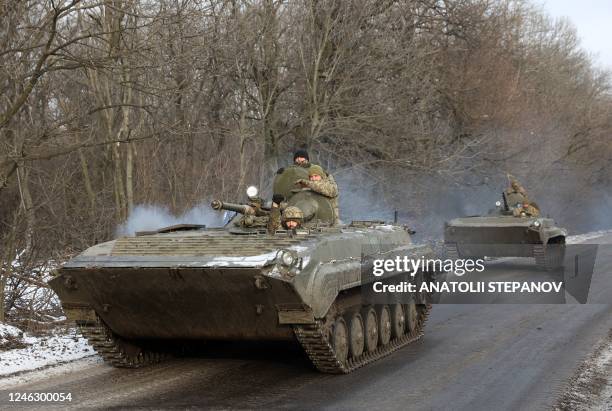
(472,357)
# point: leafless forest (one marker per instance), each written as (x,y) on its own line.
(417,105)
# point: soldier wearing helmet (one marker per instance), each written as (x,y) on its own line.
(516,189)
(322,183)
(518,201)
(292,217)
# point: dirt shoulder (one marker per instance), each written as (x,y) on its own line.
(591,386)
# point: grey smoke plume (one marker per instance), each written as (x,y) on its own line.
(151,217)
(574,198)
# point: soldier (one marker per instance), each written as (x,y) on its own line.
(527,209)
(516,188)
(292,217)
(530,209)
(278,204)
(301,158)
(324,184)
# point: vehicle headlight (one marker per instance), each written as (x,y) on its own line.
(498,204)
(537,223)
(287,258)
(252,192)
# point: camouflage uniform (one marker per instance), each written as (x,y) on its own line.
(516,189)
(531,210)
(526,210)
(326,186)
(274,221)
(249,220)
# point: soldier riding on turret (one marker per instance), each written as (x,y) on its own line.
(516,189)
(518,200)
(322,183)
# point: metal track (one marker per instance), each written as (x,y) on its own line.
(114,350)
(315,341)
(539,252)
(549,262)
(452,251)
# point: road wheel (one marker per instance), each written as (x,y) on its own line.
(412,316)
(340,339)
(371,328)
(356,335)
(384,325)
(398,320)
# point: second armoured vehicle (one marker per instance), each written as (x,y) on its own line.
(136,296)
(504,232)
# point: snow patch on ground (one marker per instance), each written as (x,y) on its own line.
(8,332)
(48,372)
(591,386)
(39,352)
(581,238)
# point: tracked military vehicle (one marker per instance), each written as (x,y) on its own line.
(136,296)
(506,232)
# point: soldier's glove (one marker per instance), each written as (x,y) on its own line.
(278,198)
(302,182)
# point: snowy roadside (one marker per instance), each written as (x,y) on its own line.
(20,352)
(581,238)
(591,386)
(51,371)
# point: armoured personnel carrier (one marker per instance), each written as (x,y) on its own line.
(135,296)
(506,232)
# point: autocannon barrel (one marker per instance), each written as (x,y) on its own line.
(239,208)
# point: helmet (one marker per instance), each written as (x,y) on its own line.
(316,170)
(292,213)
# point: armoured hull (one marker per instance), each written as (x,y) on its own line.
(506,236)
(187,303)
(215,284)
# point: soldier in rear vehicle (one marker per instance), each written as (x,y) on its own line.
(527,209)
(516,189)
